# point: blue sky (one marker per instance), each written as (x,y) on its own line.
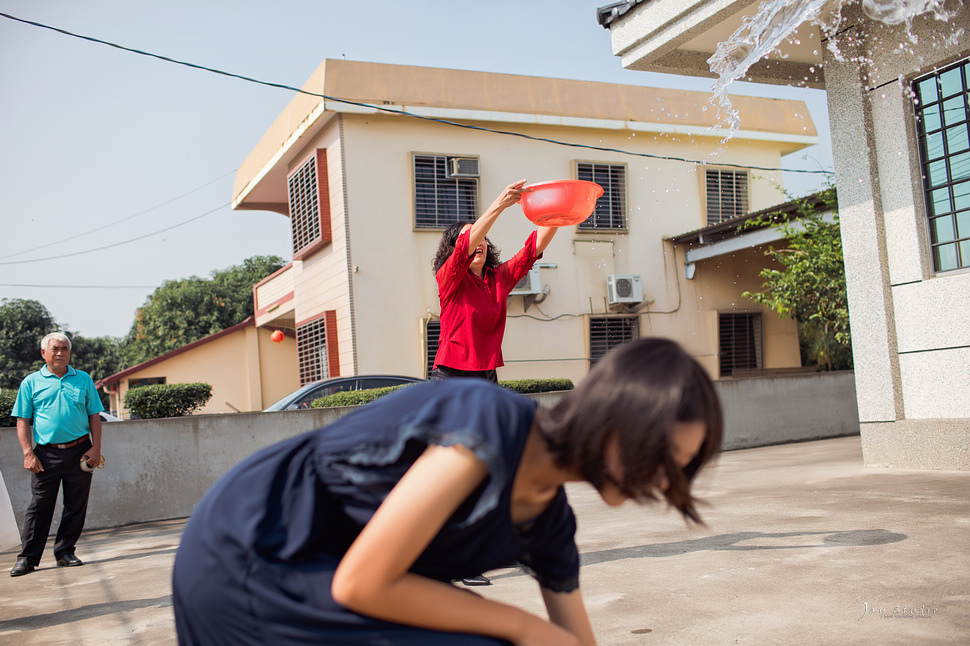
(99,146)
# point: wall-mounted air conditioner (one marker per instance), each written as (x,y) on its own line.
(531,283)
(623,288)
(463,167)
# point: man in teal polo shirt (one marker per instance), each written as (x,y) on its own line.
(64,406)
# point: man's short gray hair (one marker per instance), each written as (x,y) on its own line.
(54,336)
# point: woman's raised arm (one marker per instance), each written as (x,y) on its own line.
(509,196)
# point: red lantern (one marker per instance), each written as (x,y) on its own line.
(277,336)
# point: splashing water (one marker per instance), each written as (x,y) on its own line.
(761,34)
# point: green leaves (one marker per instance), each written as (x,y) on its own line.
(810,285)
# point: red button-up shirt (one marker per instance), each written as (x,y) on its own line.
(473,309)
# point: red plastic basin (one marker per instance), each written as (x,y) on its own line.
(560,203)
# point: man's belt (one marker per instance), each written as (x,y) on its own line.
(69,444)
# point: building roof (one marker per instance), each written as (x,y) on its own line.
(467,96)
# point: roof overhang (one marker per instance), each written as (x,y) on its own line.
(750,231)
(679,36)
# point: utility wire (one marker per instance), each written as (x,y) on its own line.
(110,224)
(116,244)
(402,112)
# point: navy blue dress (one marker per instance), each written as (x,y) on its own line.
(257,556)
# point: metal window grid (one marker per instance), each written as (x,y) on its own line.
(739,338)
(440,200)
(727,195)
(432,332)
(304,206)
(311,351)
(943,132)
(608,332)
(610,211)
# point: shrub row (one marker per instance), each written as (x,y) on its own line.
(358,397)
(167,400)
(7,398)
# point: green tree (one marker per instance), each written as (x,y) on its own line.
(182,311)
(23,324)
(810,286)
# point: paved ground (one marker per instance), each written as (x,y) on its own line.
(803,546)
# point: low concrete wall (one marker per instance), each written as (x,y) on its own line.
(157,469)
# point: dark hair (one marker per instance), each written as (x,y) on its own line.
(446,246)
(636,394)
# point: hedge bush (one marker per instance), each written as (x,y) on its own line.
(167,400)
(7,397)
(532,386)
(354,397)
(358,397)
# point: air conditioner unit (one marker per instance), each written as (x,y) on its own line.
(623,288)
(463,167)
(531,283)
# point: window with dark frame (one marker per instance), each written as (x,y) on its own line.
(610,211)
(309,203)
(739,342)
(727,195)
(943,131)
(316,348)
(432,332)
(605,333)
(439,198)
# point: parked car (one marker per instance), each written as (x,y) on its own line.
(108,417)
(303,397)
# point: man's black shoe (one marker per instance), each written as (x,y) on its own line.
(69,560)
(22,567)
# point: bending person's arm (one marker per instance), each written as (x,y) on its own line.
(567,609)
(483,224)
(373,576)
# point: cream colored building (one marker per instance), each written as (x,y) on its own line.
(899,106)
(247,370)
(369,190)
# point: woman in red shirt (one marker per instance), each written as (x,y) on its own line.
(473,290)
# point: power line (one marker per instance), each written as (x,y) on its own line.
(110,224)
(116,244)
(401,112)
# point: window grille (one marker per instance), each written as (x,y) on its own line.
(606,333)
(739,338)
(727,195)
(432,331)
(316,348)
(610,211)
(439,198)
(943,130)
(309,199)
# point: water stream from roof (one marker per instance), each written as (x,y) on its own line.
(775,22)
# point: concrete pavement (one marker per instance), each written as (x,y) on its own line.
(803,546)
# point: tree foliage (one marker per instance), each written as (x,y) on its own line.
(810,286)
(182,311)
(167,400)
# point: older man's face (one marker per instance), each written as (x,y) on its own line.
(57,355)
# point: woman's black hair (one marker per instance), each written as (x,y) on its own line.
(636,394)
(446,246)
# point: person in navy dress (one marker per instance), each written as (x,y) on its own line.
(354,532)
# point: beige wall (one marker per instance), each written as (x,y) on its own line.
(246,370)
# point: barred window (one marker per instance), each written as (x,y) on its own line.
(944,149)
(727,195)
(316,348)
(740,342)
(605,333)
(309,199)
(441,195)
(610,211)
(432,331)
